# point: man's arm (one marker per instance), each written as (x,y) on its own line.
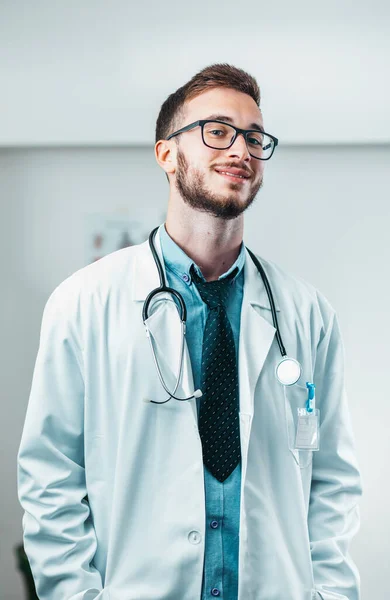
(58,533)
(334,516)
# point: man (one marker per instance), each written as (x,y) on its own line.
(127,499)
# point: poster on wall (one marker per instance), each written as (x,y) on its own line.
(106,233)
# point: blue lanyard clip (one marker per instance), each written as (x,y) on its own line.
(311,396)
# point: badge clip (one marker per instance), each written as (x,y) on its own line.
(310,404)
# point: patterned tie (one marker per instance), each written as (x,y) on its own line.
(219,426)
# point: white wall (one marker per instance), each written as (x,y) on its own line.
(323,214)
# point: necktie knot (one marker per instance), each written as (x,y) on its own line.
(213,293)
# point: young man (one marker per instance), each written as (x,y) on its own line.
(204,495)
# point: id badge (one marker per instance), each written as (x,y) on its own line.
(308,429)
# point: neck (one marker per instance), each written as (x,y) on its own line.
(213,244)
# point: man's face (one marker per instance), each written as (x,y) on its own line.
(196,178)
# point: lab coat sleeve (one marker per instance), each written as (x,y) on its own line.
(334,516)
(58,533)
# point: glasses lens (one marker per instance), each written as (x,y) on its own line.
(260,144)
(218,135)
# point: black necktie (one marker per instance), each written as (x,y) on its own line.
(219,426)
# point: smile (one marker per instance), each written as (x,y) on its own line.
(233,177)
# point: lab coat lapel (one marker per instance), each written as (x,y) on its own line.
(256,336)
(256,333)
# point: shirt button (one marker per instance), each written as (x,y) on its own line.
(194,537)
(214,524)
(215,592)
(185,277)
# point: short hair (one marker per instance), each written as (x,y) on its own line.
(171,113)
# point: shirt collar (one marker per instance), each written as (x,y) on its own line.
(177,260)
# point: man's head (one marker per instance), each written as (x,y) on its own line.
(194,169)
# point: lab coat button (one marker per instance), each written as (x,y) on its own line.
(194,537)
(215,592)
(214,524)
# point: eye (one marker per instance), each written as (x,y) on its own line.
(215,130)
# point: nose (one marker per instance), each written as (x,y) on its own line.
(239,148)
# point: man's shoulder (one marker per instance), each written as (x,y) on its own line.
(289,288)
(97,279)
(287,278)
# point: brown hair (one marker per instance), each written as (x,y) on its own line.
(218,75)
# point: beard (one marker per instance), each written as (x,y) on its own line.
(195,193)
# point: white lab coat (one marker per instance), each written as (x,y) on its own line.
(112,487)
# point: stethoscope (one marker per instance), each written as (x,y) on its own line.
(287,371)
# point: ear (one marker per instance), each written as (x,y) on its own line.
(165,153)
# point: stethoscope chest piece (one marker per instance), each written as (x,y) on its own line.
(288,371)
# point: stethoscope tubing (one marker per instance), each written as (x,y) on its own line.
(163,287)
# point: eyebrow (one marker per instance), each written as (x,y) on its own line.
(230,120)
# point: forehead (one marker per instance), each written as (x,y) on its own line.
(224,101)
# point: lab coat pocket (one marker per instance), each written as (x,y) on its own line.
(295,397)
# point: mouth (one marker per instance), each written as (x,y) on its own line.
(236,178)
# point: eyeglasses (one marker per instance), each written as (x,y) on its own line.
(220,136)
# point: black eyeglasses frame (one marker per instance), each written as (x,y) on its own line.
(244,132)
